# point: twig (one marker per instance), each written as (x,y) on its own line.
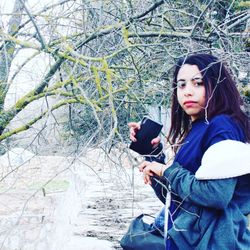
(34,23)
(201,15)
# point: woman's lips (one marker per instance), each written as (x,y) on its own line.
(189,103)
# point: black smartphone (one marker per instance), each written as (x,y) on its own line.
(149,130)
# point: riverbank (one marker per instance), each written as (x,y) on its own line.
(71,203)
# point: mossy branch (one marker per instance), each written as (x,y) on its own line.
(75,99)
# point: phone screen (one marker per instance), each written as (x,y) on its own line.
(149,130)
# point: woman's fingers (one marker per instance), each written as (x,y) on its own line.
(133,128)
(148,171)
(146,167)
(147,179)
(152,168)
(155,142)
(143,165)
(134,124)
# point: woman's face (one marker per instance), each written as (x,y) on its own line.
(191,90)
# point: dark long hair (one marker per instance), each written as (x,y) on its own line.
(222,96)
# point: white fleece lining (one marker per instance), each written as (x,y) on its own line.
(225,159)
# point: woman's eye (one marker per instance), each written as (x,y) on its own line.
(198,82)
(181,84)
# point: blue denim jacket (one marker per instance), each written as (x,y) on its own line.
(212,215)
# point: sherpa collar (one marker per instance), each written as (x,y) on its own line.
(225,159)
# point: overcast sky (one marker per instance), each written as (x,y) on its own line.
(31,74)
(6,6)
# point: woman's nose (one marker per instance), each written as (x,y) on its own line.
(188,91)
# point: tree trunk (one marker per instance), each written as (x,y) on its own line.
(7,50)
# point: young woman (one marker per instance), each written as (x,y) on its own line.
(209,179)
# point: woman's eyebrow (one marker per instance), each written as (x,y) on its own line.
(193,78)
(197,78)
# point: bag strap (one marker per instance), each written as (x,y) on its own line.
(149,215)
(152,224)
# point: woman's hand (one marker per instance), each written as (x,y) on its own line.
(150,169)
(133,129)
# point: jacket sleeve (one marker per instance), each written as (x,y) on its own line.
(158,155)
(158,184)
(209,193)
(160,188)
